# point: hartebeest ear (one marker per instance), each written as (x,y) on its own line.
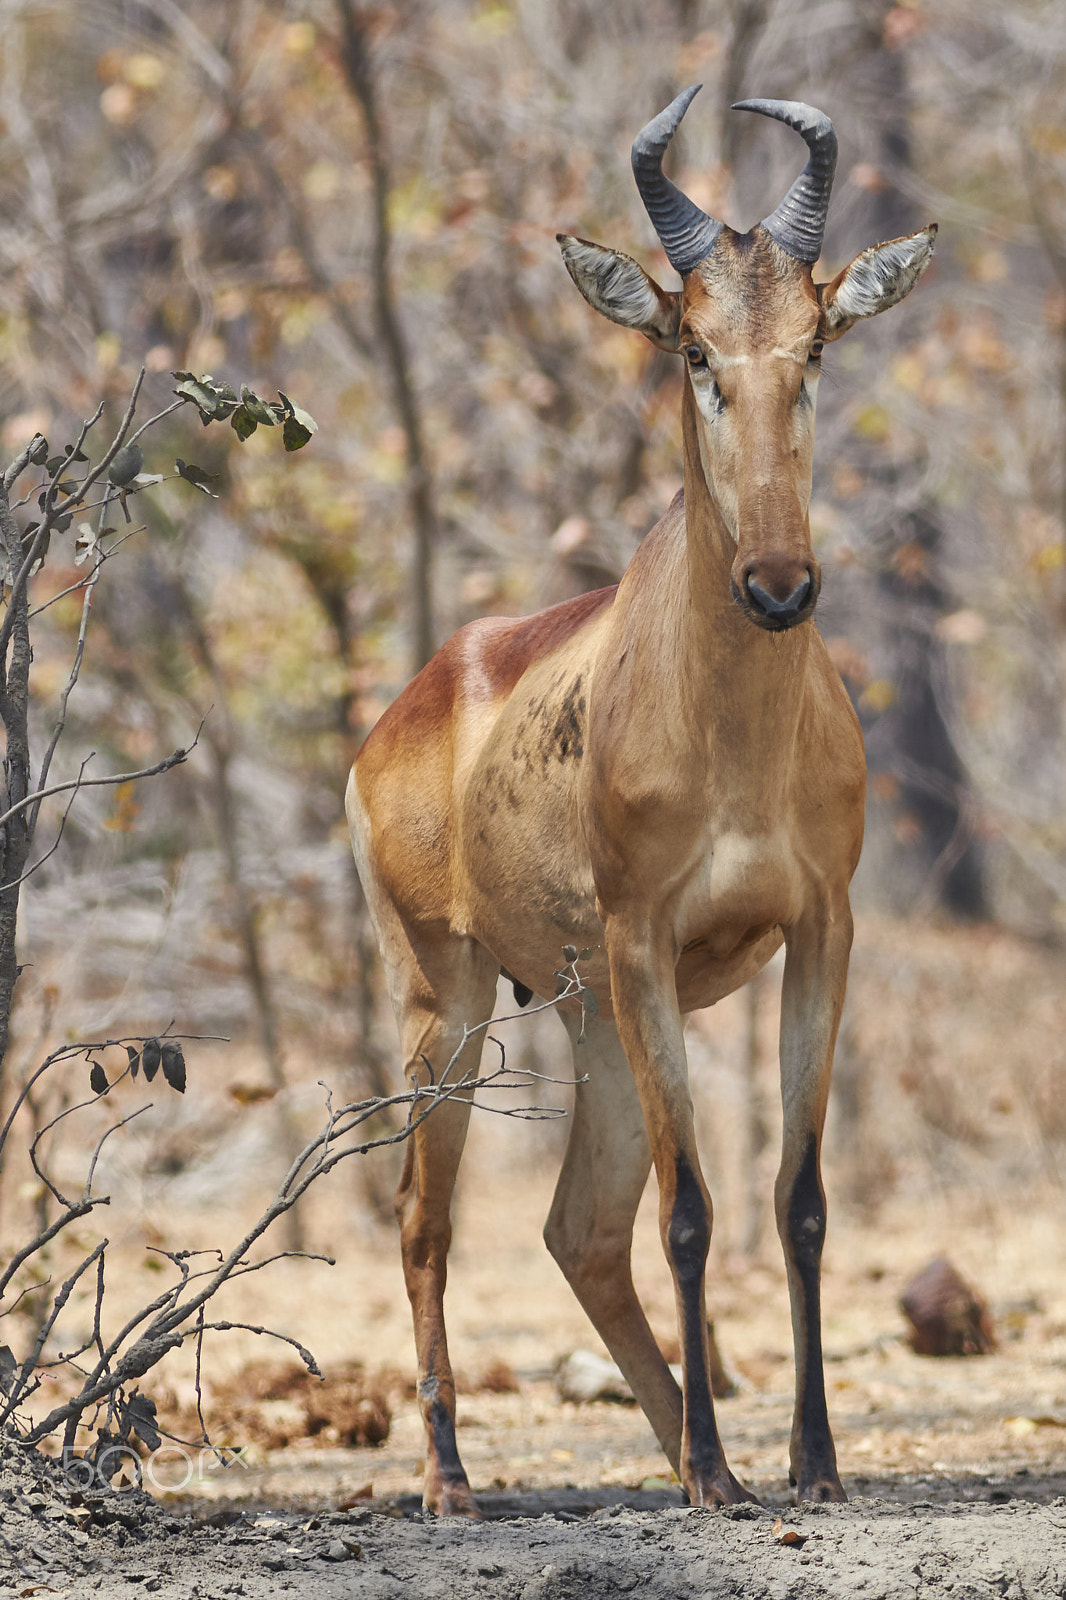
(616,286)
(877,279)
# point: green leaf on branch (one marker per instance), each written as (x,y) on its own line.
(98,1079)
(214,401)
(126,465)
(38,450)
(257,409)
(243,423)
(135,1060)
(298,425)
(196,476)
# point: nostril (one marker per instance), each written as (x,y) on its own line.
(780,610)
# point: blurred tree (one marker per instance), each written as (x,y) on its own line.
(361,203)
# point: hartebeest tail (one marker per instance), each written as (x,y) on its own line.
(668,773)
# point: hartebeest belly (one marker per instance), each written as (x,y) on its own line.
(667,775)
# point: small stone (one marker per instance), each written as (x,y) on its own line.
(343,1550)
(948,1316)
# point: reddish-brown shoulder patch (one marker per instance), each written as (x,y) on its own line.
(507,652)
(486,658)
(423,705)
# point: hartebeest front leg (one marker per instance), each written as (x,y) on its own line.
(644,997)
(590,1227)
(812,997)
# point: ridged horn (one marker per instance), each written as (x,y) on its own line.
(799,221)
(686,233)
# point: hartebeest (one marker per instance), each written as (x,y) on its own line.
(668,772)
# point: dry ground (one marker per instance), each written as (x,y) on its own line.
(947,1138)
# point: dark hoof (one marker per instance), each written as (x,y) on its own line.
(823,1491)
(451,1500)
(721,1490)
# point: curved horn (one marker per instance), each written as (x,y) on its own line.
(799,221)
(686,233)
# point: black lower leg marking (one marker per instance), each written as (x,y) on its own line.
(806,1219)
(806,1237)
(688,1236)
(442,1429)
(688,1239)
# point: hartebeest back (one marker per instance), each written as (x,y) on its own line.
(669,773)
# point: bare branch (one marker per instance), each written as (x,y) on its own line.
(72,1213)
(305,1355)
(104,1136)
(52,848)
(113,778)
(52,511)
(111,452)
(75,670)
(18,466)
(104,555)
(19,1386)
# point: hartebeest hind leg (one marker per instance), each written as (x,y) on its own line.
(812,997)
(437,988)
(590,1227)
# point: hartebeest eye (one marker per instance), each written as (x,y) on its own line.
(816,350)
(695,356)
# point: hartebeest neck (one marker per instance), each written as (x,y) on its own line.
(746,683)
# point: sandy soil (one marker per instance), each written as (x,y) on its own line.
(957,1467)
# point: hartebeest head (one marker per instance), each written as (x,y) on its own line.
(750,322)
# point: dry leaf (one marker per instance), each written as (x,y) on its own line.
(348,1502)
(250,1094)
(84,543)
(790,1536)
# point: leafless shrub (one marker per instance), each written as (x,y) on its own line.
(108,1366)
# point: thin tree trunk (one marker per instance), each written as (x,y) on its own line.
(218,735)
(358,69)
(747,25)
(16,835)
(1055,248)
